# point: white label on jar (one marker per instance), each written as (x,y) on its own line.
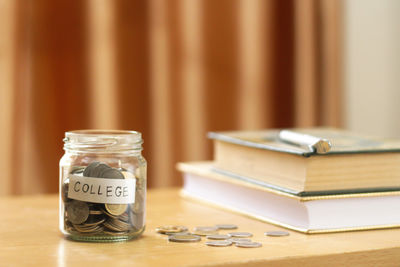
(102,190)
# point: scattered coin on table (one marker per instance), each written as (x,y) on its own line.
(248,244)
(276,233)
(206,228)
(226,226)
(219,243)
(205,233)
(171,229)
(236,240)
(240,234)
(178,233)
(184,238)
(218,237)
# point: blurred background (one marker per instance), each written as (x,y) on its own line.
(176,69)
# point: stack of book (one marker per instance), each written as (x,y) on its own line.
(310,180)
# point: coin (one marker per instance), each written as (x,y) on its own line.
(116,209)
(218,237)
(206,228)
(138,173)
(276,233)
(219,243)
(128,175)
(240,234)
(226,226)
(95,212)
(64,191)
(123,226)
(123,217)
(236,240)
(112,174)
(139,204)
(114,233)
(205,233)
(184,238)
(88,229)
(97,170)
(171,229)
(89,168)
(248,244)
(77,211)
(77,169)
(93,221)
(137,219)
(117,225)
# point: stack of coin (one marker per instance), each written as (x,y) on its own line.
(86,218)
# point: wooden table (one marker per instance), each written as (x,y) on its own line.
(29,235)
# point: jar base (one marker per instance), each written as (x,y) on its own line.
(104,238)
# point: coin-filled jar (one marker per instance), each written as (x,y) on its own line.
(102,185)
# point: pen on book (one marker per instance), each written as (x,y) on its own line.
(315,144)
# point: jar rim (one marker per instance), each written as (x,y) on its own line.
(102,132)
(99,140)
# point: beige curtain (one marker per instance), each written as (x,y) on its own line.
(173,70)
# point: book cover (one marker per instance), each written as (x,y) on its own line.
(342,141)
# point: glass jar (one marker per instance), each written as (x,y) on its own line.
(102,186)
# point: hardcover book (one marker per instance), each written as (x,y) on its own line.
(350,162)
(308,214)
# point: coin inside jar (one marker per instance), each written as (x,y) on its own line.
(112,174)
(89,168)
(128,175)
(77,211)
(116,209)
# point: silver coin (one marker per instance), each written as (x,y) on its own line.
(98,171)
(219,243)
(276,233)
(218,237)
(240,234)
(112,174)
(77,169)
(171,229)
(64,191)
(184,238)
(205,233)
(226,226)
(77,211)
(236,240)
(248,244)
(89,168)
(206,228)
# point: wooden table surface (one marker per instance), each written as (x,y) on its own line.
(29,235)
